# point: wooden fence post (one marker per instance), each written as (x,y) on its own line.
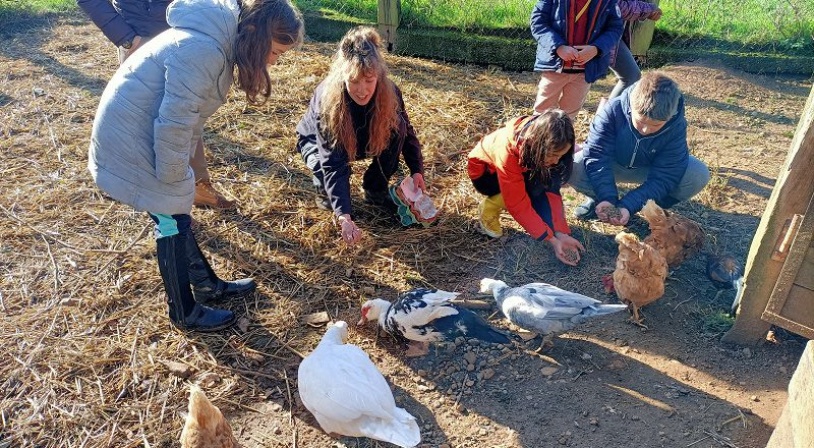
(389,17)
(791,195)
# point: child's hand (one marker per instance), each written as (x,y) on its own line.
(567,249)
(655,15)
(621,217)
(350,233)
(609,213)
(567,53)
(418,181)
(585,53)
(603,210)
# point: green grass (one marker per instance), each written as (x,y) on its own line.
(786,25)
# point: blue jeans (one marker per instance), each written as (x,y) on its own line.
(693,181)
(626,70)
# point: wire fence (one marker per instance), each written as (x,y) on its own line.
(778,32)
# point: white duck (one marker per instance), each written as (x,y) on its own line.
(423,315)
(545,309)
(348,395)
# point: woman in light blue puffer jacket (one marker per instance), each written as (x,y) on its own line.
(151,116)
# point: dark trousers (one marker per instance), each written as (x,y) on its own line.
(378,173)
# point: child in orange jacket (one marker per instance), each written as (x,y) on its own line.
(520,167)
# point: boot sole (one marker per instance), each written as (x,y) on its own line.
(204,329)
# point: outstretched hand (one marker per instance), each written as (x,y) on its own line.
(567,249)
(351,234)
(609,213)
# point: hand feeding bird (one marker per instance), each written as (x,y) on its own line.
(346,393)
(422,315)
(545,309)
(726,272)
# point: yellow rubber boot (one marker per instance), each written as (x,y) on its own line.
(489,215)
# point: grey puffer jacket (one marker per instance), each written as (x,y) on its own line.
(152,111)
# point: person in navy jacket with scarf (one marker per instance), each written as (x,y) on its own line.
(638,137)
(575,40)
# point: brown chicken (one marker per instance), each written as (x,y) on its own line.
(205,426)
(639,275)
(676,237)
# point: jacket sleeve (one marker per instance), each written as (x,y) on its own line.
(187,87)
(599,158)
(411,151)
(635,10)
(668,167)
(541,28)
(105,16)
(611,30)
(516,198)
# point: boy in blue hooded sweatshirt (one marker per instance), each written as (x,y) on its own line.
(638,137)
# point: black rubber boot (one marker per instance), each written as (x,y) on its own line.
(206,286)
(183,311)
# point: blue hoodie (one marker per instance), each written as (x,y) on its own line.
(613,140)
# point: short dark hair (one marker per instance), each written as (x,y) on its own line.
(655,96)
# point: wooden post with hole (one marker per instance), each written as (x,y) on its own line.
(389,17)
(791,196)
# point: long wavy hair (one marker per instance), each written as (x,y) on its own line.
(359,55)
(260,23)
(545,134)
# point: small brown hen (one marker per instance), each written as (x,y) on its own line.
(676,237)
(639,275)
(205,426)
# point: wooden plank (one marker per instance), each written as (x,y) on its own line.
(389,17)
(805,276)
(797,314)
(791,266)
(794,429)
(791,195)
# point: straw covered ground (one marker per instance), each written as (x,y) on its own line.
(90,360)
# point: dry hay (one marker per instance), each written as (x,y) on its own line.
(91,359)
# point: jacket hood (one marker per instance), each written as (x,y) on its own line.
(215,18)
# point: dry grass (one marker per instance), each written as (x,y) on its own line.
(90,358)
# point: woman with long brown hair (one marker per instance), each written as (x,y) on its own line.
(357,112)
(151,116)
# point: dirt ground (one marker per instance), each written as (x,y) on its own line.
(90,360)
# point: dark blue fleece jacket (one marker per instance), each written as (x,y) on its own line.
(549,26)
(613,139)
